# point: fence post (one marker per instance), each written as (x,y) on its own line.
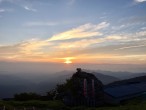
(4,108)
(33,108)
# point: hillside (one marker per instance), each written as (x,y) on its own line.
(129,81)
(121,74)
(11,83)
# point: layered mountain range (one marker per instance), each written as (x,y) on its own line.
(12,83)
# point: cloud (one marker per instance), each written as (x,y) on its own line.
(84,31)
(135,2)
(30,50)
(141,33)
(129,47)
(36,45)
(2,10)
(33,46)
(49,48)
(6,10)
(128,23)
(29,8)
(84,42)
(8,49)
(87,42)
(112,49)
(70,2)
(143,28)
(26,4)
(139,1)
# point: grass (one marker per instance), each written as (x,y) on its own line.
(55,105)
(58,105)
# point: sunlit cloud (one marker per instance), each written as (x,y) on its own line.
(72,31)
(140,1)
(84,31)
(33,46)
(81,44)
(44,49)
(141,33)
(113,58)
(129,47)
(84,43)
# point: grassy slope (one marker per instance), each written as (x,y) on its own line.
(57,105)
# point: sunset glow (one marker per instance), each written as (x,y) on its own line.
(54,46)
(68,62)
(83,31)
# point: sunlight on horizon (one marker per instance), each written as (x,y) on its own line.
(72,31)
(68,62)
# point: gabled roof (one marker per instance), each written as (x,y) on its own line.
(126,90)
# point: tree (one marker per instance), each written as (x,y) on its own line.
(27,96)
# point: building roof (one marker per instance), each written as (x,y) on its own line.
(126,90)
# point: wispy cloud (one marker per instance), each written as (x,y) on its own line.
(83,42)
(129,23)
(141,33)
(135,2)
(6,10)
(87,42)
(29,8)
(27,5)
(70,2)
(2,10)
(84,31)
(139,1)
(129,47)
(48,48)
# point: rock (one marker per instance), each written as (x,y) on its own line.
(83,86)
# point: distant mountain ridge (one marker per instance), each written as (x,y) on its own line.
(120,74)
(12,83)
(105,78)
(129,81)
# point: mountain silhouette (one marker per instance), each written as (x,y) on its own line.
(12,83)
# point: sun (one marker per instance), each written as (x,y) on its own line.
(68,61)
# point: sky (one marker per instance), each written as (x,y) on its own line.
(77,31)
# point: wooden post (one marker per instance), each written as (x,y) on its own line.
(4,108)
(33,108)
(93,89)
(85,88)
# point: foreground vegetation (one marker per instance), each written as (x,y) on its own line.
(58,105)
(11,105)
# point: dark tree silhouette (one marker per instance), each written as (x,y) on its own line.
(27,96)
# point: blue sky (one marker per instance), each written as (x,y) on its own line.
(93,31)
